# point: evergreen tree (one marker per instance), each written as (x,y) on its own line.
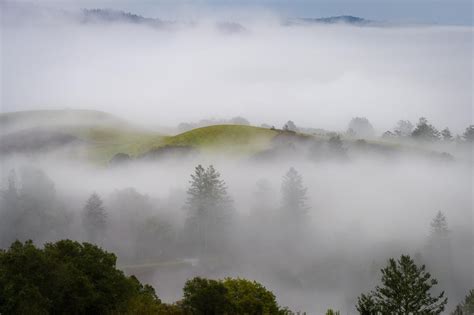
(10,211)
(294,195)
(404,128)
(405,290)
(208,204)
(439,225)
(361,127)
(425,131)
(446,134)
(466,307)
(468,134)
(95,218)
(336,147)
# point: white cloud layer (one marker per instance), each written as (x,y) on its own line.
(317,76)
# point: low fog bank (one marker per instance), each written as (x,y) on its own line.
(357,215)
(319,75)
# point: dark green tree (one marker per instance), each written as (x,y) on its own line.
(67,277)
(366,305)
(229,296)
(95,218)
(425,131)
(205,297)
(466,307)
(249,297)
(468,134)
(405,289)
(294,199)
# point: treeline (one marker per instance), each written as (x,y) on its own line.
(68,277)
(361,128)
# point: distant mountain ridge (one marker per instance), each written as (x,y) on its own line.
(117,16)
(341,19)
(111,16)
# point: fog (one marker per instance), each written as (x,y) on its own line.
(269,72)
(363,206)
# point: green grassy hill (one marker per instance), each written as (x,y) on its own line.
(225,139)
(98,137)
(102,135)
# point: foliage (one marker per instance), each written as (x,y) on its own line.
(95,218)
(404,128)
(405,289)
(446,134)
(425,131)
(336,147)
(67,277)
(205,297)
(30,210)
(468,134)
(361,127)
(290,126)
(294,195)
(467,306)
(208,204)
(439,225)
(249,297)
(332,312)
(229,296)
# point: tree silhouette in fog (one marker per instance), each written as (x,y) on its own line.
(209,206)
(425,131)
(95,218)
(294,199)
(439,225)
(468,134)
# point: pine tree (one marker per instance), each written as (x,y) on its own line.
(294,195)
(10,211)
(405,290)
(466,307)
(439,225)
(404,128)
(208,204)
(446,134)
(95,218)
(425,131)
(468,134)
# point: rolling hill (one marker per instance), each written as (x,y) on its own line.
(100,137)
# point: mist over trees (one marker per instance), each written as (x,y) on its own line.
(95,219)
(209,209)
(282,232)
(360,127)
(159,197)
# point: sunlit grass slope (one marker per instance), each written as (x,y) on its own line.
(225,138)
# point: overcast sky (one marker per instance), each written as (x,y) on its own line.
(457,12)
(319,76)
